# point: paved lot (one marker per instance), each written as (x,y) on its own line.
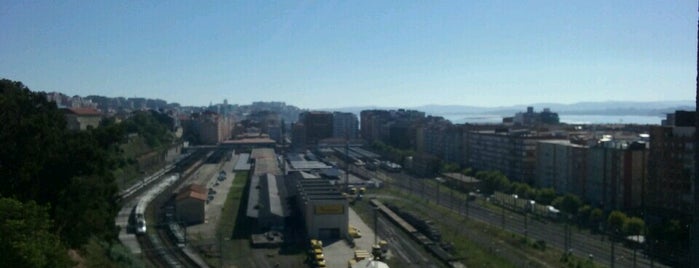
(338,253)
(207,175)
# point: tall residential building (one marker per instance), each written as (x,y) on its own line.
(298,136)
(561,165)
(511,152)
(319,125)
(533,118)
(394,127)
(345,125)
(671,165)
(439,137)
(371,122)
(207,127)
(616,174)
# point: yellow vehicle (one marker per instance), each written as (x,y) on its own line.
(362,190)
(317,251)
(316,244)
(353,191)
(384,245)
(354,232)
(320,260)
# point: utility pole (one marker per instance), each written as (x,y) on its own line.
(376,226)
(526,230)
(611,259)
(503,216)
(467,207)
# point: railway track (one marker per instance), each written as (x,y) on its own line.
(156,244)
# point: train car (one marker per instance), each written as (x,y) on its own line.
(140,216)
(177,234)
(140,210)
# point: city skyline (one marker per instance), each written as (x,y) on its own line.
(333,54)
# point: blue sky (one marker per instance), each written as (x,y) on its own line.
(328,54)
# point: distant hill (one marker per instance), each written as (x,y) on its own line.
(658,108)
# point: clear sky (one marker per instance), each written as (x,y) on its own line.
(328,54)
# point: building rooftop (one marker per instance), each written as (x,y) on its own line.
(244,141)
(267,197)
(84,111)
(265,161)
(243,163)
(461,178)
(191,194)
(318,189)
(562,142)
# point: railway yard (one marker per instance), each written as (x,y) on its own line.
(413,224)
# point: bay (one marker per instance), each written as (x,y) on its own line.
(564,118)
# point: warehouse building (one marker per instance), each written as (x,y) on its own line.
(266,202)
(267,192)
(324,209)
(190,204)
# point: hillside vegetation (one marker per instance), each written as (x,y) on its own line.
(58,185)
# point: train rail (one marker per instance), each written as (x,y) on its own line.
(422,239)
(155,241)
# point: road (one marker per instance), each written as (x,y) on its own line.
(583,244)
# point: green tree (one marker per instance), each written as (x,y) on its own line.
(616,221)
(31,138)
(27,240)
(99,253)
(492,181)
(68,172)
(568,203)
(634,226)
(545,196)
(522,190)
(584,215)
(449,167)
(596,218)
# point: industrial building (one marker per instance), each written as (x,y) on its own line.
(190,204)
(267,192)
(324,209)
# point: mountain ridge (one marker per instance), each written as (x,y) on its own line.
(579,108)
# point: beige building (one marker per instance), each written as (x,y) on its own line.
(324,209)
(82,118)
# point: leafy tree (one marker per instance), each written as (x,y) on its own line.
(634,226)
(522,190)
(151,126)
(68,172)
(616,221)
(596,217)
(31,137)
(27,240)
(492,181)
(449,167)
(568,203)
(99,253)
(467,171)
(87,208)
(545,196)
(584,215)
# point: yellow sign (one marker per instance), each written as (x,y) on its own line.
(329,209)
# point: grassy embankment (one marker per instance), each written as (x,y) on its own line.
(140,159)
(232,209)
